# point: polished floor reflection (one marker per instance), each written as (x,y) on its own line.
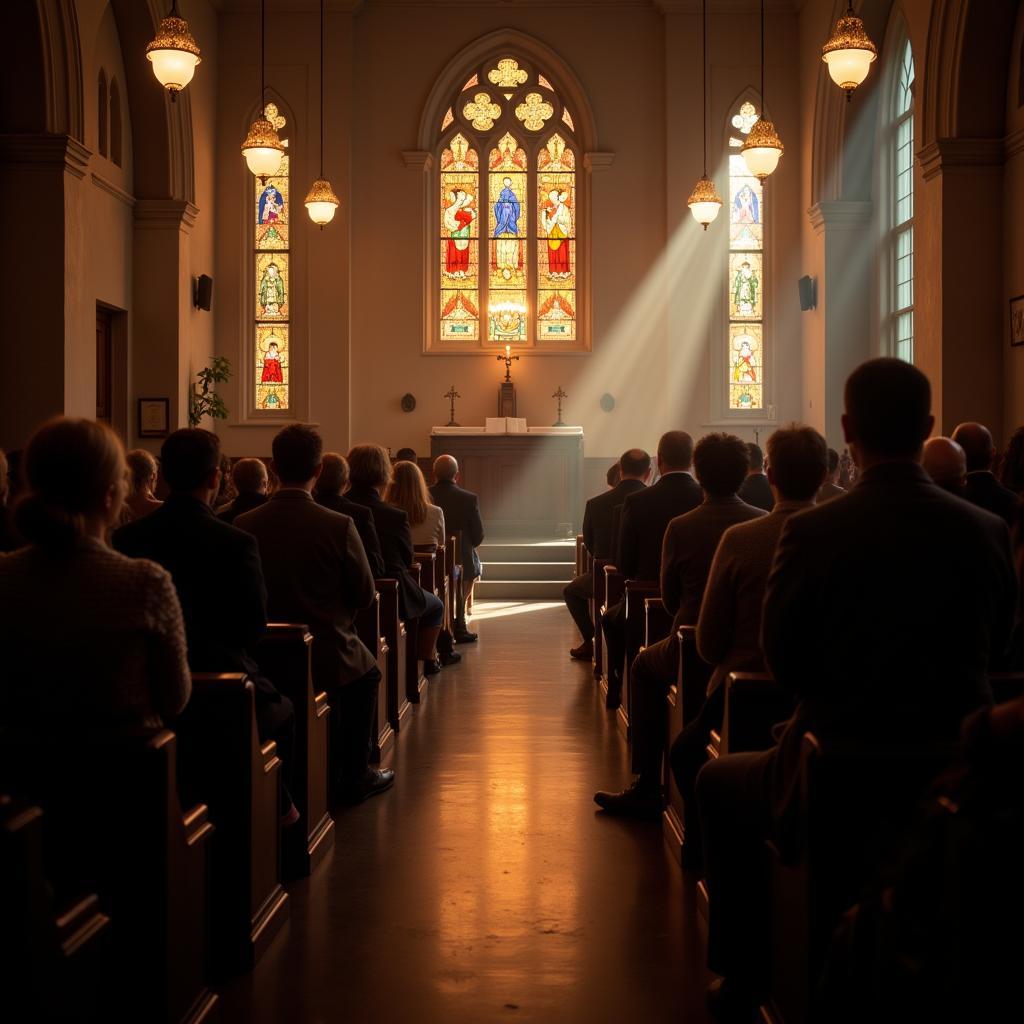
(485,886)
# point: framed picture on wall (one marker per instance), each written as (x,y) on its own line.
(1017,320)
(154,417)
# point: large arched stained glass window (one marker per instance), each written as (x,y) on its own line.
(272,257)
(746,281)
(508,162)
(901,214)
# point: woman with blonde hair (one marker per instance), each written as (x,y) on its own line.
(408,491)
(92,640)
(142,474)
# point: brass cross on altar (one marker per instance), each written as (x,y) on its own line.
(451,395)
(559,394)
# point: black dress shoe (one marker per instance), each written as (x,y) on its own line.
(585,651)
(731,1003)
(451,658)
(633,802)
(431,667)
(376,780)
(466,637)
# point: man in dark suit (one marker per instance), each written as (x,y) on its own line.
(645,516)
(330,492)
(982,488)
(249,477)
(599,539)
(756,490)
(317,573)
(462,517)
(874,577)
(688,549)
(217,574)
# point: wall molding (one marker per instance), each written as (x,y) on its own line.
(45,150)
(163,214)
(840,215)
(111,189)
(943,154)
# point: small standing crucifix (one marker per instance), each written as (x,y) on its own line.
(451,395)
(507,360)
(559,394)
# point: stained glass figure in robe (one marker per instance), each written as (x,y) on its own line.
(459,254)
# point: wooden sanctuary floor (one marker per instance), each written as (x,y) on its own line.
(484,887)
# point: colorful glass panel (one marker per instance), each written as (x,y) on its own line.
(746,363)
(507,222)
(508,74)
(556,243)
(460,241)
(745,293)
(272,282)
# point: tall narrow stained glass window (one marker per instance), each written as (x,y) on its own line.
(272,258)
(745,363)
(901,236)
(507,215)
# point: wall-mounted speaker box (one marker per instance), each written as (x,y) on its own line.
(202,292)
(808,292)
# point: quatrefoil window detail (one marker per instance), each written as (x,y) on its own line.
(508,74)
(481,112)
(534,112)
(745,119)
(270,112)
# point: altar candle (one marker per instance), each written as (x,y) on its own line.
(508,351)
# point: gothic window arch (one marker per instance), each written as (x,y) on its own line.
(508,262)
(101,113)
(898,286)
(115,122)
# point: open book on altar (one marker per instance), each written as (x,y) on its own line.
(505,425)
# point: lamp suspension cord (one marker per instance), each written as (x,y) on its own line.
(263,57)
(704,79)
(762,58)
(322,2)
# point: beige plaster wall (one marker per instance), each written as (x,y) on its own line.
(1013,240)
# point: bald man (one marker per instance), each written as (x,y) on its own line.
(982,488)
(945,462)
(461,517)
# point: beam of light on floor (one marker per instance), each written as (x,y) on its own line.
(483,610)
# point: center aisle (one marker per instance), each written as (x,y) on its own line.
(484,886)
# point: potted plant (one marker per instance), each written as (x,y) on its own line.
(204,400)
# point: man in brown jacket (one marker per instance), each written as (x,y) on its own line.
(317,573)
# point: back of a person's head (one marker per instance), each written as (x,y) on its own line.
(405,455)
(614,475)
(445,467)
(755,457)
(720,462)
(141,469)
(72,467)
(635,463)
(408,490)
(249,476)
(5,479)
(298,451)
(1011,465)
(369,466)
(188,458)
(675,451)
(944,461)
(833,461)
(976,441)
(888,408)
(797,462)
(334,476)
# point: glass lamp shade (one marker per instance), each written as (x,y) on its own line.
(849,53)
(173,54)
(762,149)
(263,149)
(321,202)
(704,202)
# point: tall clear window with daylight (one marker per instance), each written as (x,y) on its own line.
(507,213)
(272,281)
(745,278)
(901,210)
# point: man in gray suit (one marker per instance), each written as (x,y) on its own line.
(317,573)
(720,461)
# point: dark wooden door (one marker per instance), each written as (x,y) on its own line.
(104,365)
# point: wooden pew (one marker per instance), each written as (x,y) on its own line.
(430,570)
(285,655)
(439,576)
(51,955)
(1006,686)
(614,591)
(581,555)
(855,805)
(415,680)
(596,604)
(454,570)
(368,626)
(224,765)
(393,630)
(684,702)
(754,705)
(638,592)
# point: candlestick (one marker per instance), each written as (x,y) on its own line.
(451,394)
(559,394)
(507,359)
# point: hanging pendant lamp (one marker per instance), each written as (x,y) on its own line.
(262,148)
(321,202)
(849,52)
(174,53)
(704,202)
(762,149)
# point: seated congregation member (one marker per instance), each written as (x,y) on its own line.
(226,493)
(408,491)
(462,518)
(317,573)
(217,574)
(982,488)
(869,576)
(945,462)
(330,492)
(142,474)
(720,461)
(599,538)
(8,538)
(729,623)
(370,472)
(614,474)
(756,490)
(1011,463)
(92,640)
(406,455)
(645,516)
(251,482)
(830,488)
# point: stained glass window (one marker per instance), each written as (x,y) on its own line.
(272,258)
(508,239)
(745,275)
(901,256)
